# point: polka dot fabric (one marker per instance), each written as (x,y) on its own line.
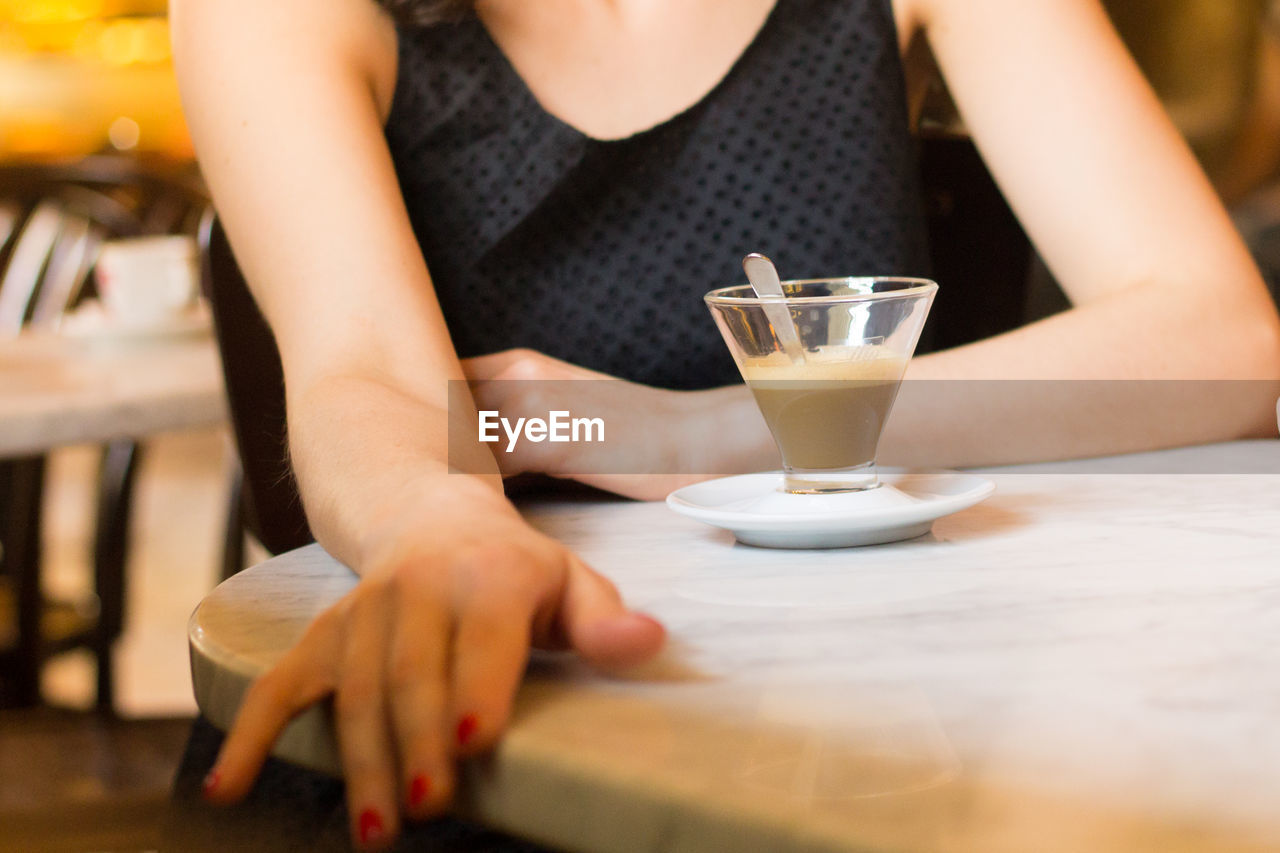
(599,252)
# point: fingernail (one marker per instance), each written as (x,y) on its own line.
(210,783)
(370,826)
(419,788)
(467,728)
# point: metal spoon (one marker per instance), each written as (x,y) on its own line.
(763,276)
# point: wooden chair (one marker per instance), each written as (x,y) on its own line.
(981,257)
(53,218)
(265,499)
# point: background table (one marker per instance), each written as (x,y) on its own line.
(1086,661)
(57,390)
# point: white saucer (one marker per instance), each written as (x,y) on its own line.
(756,510)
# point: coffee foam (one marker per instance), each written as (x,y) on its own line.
(834,364)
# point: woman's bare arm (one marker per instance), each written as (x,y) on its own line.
(286,101)
(1105,187)
(1163,287)
(288,127)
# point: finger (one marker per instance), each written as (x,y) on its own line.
(303,677)
(417,674)
(361,716)
(599,626)
(481,368)
(491,646)
(518,364)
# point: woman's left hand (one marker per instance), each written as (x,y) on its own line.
(632,439)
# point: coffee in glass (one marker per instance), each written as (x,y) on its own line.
(826,410)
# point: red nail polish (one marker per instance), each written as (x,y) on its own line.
(210,783)
(467,728)
(419,788)
(370,826)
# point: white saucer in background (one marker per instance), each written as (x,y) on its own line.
(756,510)
(93,323)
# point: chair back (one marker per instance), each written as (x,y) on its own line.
(981,257)
(255,396)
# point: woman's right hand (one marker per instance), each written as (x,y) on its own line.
(424,656)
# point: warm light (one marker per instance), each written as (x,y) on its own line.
(124,133)
(153,40)
(80,75)
(89,38)
(128,41)
(11,42)
(119,44)
(53,11)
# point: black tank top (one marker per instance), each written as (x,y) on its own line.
(598,252)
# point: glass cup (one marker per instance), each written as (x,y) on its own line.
(827,400)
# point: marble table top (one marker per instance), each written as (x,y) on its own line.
(59,390)
(1088,660)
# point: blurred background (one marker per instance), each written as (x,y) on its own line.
(80,77)
(92,140)
(91,82)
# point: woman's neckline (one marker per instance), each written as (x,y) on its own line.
(526,94)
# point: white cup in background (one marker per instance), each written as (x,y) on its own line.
(148,280)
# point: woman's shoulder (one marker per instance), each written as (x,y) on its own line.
(354,35)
